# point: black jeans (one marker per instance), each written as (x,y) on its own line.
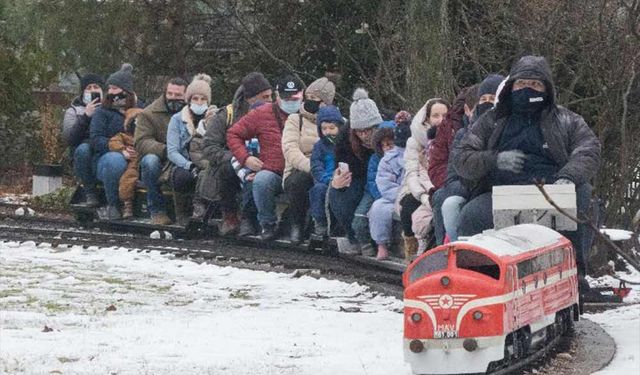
(230,188)
(297,186)
(408,205)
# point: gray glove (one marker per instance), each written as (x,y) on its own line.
(563,181)
(512,161)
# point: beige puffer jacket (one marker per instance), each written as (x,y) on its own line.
(297,142)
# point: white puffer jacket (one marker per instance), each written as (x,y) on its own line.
(416,179)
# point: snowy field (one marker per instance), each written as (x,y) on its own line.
(109,311)
(177,317)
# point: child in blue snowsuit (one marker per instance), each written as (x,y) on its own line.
(323,164)
(389,182)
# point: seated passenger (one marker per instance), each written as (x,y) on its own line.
(298,137)
(219,183)
(479,99)
(123,142)
(107,122)
(349,201)
(266,123)
(184,129)
(386,135)
(389,181)
(75,133)
(528,137)
(323,163)
(151,144)
(417,182)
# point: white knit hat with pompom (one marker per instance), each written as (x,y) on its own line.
(363,113)
(200,85)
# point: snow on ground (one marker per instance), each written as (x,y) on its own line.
(623,324)
(178,317)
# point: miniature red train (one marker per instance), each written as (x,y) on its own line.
(478,305)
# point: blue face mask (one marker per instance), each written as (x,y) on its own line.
(198,109)
(528,101)
(290,106)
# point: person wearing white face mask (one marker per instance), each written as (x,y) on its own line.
(75,133)
(266,123)
(184,135)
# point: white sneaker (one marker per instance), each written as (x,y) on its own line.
(346,247)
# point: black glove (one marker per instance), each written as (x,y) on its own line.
(195,171)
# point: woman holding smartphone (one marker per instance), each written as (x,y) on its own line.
(349,201)
(75,132)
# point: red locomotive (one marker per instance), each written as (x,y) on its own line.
(478,305)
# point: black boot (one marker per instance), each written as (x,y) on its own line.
(269,232)
(247,228)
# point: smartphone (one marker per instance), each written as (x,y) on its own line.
(94,96)
(344,167)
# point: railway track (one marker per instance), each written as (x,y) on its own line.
(251,254)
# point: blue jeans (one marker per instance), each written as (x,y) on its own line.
(110,167)
(451,215)
(265,187)
(317,196)
(150,170)
(84,166)
(477,215)
(350,207)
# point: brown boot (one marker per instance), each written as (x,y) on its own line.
(127,209)
(160,218)
(410,248)
(230,223)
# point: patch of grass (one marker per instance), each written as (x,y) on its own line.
(57,200)
(55,307)
(30,300)
(10,292)
(178,303)
(113,280)
(161,288)
(240,294)
(67,360)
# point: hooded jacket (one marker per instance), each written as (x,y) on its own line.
(416,180)
(569,140)
(391,174)
(323,159)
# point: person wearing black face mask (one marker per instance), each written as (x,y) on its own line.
(150,141)
(528,137)
(298,137)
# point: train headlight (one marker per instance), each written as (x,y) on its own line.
(416,346)
(445,281)
(478,315)
(416,317)
(470,344)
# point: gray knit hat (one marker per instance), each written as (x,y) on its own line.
(123,78)
(324,89)
(363,113)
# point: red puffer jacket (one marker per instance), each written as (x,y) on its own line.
(441,146)
(265,123)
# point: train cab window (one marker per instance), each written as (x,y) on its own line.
(429,264)
(474,261)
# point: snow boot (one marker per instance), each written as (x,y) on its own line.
(410,248)
(127,209)
(230,223)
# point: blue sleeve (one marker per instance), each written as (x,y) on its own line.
(173,144)
(387,181)
(98,132)
(372,171)
(317,162)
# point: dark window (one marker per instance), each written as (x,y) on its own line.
(429,264)
(540,263)
(474,261)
